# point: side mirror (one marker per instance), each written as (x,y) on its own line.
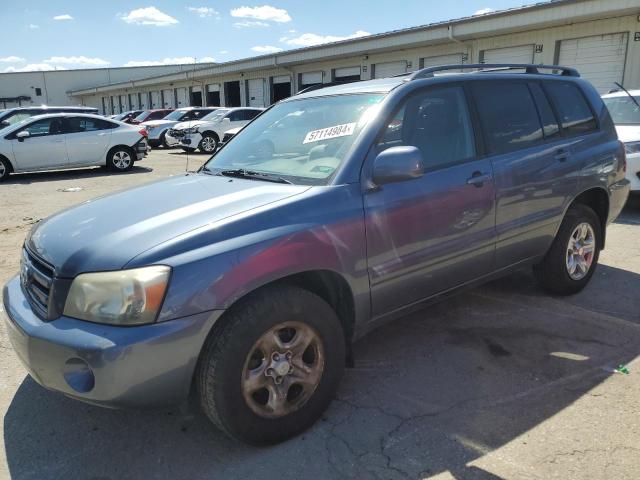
(226,120)
(4,124)
(22,135)
(398,164)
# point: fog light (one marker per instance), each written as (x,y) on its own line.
(78,375)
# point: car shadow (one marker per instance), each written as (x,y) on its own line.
(630,214)
(73,174)
(429,393)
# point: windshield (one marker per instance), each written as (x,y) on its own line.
(140,118)
(215,115)
(623,110)
(302,141)
(121,116)
(176,115)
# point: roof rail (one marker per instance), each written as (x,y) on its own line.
(493,67)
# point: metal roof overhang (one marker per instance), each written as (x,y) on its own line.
(541,15)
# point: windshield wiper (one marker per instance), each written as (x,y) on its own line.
(243,173)
(630,96)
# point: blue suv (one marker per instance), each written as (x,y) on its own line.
(247,282)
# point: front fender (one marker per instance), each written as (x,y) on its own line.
(215,266)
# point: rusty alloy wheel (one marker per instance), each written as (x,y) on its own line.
(283,369)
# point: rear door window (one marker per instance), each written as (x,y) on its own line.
(575,115)
(508,116)
(86,124)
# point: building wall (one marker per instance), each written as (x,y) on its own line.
(54,85)
(546,40)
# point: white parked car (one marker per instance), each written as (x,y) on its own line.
(206,134)
(625,112)
(157,129)
(66,140)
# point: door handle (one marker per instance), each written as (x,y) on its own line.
(561,155)
(477,179)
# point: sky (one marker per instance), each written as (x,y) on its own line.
(68,34)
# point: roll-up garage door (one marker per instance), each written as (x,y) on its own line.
(155,100)
(280,88)
(255,92)
(389,69)
(213,95)
(346,74)
(310,78)
(168,99)
(600,58)
(452,59)
(143,100)
(181,95)
(133,101)
(520,54)
(124,106)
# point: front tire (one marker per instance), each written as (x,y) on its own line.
(120,159)
(270,369)
(208,143)
(571,261)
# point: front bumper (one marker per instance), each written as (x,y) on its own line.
(191,140)
(170,139)
(633,171)
(149,365)
(618,194)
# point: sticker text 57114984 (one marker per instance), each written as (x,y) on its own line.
(330,132)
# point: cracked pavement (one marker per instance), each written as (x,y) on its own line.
(501,382)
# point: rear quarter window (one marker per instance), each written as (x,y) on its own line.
(573,110)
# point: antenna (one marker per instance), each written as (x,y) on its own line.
(193,82)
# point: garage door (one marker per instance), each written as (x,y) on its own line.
(600,59)
(520,54)
(389,69)
(310,78)
(255,92)
(167,98)
(452,59)
(155,100)
(133,101)
(181,95)
(346,74)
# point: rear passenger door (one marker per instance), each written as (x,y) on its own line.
(430,234)
(87,139)
(535,173)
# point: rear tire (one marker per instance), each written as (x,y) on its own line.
(5,169)
(572,259)
(263,340)
(120,159)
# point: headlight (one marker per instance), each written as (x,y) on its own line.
(632,147)
(124,297)
(192,130)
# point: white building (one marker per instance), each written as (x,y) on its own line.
(601,38)
(52,87)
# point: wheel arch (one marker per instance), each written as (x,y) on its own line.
(213,133)
(597,199)
(329,285)
(5,158)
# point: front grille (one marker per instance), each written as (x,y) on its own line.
(227,137)
(37,281)
(176,133)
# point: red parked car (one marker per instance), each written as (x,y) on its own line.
(155,114)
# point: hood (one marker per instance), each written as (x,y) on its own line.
(189,124)
(628,133)
(106,233)
(158,123)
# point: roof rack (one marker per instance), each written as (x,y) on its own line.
(494,67)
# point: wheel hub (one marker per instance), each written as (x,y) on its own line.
(580,251)
(279,367)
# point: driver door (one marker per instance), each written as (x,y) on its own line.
(44,148)
(433,233)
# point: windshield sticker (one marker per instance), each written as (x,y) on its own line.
(330,132)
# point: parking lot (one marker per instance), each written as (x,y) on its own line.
(500,382)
